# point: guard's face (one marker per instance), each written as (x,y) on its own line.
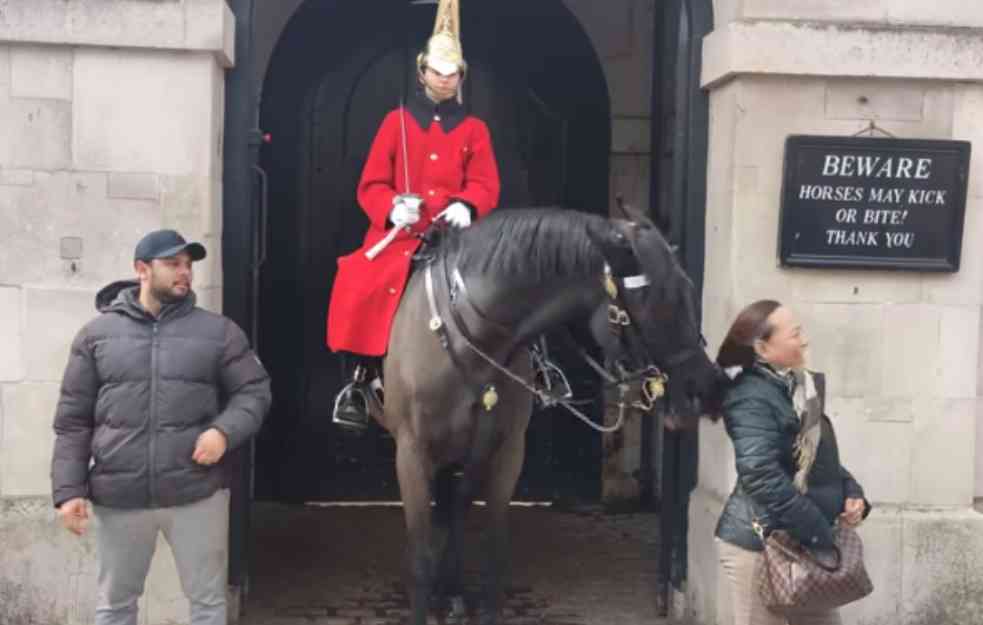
(441,86)
(169,279)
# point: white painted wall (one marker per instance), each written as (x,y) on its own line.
(111,114)
(901,349)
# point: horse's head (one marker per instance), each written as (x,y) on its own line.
(658,324)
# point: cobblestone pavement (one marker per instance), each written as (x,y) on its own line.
(343,566)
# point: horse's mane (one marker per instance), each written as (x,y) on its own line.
(530,245)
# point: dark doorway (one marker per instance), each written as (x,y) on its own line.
(338,68)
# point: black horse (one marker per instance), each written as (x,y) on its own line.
(457,402)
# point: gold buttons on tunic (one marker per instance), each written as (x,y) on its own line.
(434,156)
(431,193)
(392,291)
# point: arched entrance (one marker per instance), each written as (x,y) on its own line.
(337,69)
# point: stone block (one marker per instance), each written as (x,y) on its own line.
(41,72)
(718,473)
(37,134)
(978,490)
(875,99)
(630,178)
(811,49)
(4,71)
(610,27)
(869,287)
(829,10)
(67,204)
(16,177)
(883,536)
(122,23)
(622,34)
(144,112)
(944,459)
(878,453)
(11,335)
(942,564)
(911,351)
(189,204)
(209,298)
(968,126)
(208,272)
(631,135)
(707,592)
(210,25)
(47,575)
(134,186)
(943,13)
(965,287)
(27,441)
(844,342)
(959,355)
(52,319)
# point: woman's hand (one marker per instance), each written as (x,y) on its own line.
(853,512)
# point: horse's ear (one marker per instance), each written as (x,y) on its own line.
(632,214)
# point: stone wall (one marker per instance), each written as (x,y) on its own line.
(901,349)
(112,114)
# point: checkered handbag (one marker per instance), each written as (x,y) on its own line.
(791,576)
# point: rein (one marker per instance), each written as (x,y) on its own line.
(653,385)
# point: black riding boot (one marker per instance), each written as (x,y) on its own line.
(351,407)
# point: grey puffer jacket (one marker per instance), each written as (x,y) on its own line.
(137,393)
(763,426)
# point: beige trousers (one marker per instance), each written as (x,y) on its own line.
(738,566)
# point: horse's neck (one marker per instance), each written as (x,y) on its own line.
(529,311)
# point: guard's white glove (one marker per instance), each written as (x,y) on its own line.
(404,214)
(458,215)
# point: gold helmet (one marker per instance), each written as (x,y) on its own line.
(443,51)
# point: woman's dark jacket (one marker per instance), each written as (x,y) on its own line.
(763,426)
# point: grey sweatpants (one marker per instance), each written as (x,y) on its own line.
(198,536)
(739,566)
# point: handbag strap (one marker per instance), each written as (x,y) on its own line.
(804,553)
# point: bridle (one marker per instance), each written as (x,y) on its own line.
(620,323)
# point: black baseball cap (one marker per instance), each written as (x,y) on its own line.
(164,244)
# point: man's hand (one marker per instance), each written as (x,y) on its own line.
(74,515)
(458,215)
(210,447)
(853,512)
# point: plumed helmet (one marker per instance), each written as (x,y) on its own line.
(443,51)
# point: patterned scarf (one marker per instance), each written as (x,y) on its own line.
(805,401)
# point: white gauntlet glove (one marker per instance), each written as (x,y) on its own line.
(405,212)
(458,215)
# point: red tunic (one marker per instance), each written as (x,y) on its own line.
(443,167)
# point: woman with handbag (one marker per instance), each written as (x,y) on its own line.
(790,482)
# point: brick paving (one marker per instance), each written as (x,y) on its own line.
(343,566)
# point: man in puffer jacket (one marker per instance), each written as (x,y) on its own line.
(156,392)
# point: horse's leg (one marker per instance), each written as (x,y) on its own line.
(414,487)
(452,502)
(503,474)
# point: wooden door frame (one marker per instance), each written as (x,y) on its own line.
(674,455)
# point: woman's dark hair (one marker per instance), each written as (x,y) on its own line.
(751,324)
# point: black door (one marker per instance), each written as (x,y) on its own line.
(680,115)
(334,76)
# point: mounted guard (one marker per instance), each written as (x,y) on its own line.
(430,161)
